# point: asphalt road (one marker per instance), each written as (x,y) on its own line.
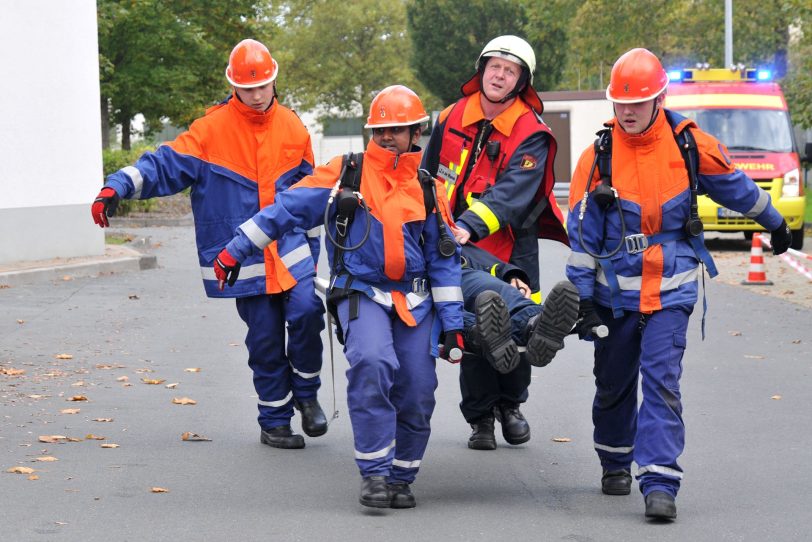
(747,391)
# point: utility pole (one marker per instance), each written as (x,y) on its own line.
(728,33)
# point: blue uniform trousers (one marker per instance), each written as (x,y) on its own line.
(483,387)
(653,436)
(281,377)
(390,388)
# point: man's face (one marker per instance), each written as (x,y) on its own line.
(258,98)
(635,118)
(500,77)
(395,139)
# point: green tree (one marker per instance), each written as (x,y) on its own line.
(165,59)
(335,56)
(448,36)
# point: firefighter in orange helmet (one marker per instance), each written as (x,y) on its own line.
(237,159)
(391,280)
(637,246)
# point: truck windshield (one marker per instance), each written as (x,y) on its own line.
(765,130)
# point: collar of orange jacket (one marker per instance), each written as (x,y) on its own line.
(503,122)
(250,114)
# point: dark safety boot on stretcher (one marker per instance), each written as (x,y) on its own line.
(548,329)
(493,332)
(314,422)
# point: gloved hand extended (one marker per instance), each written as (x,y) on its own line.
(588,319)
(226,269)
(781,238)
(104,205)
(453,346)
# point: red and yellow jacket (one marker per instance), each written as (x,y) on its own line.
(492,197)
(236,160)
(649,174)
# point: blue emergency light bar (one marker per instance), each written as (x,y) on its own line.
(721,75)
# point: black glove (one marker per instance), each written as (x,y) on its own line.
(453,346)
(226,269)
(104,205)
(588,319)
(781,238)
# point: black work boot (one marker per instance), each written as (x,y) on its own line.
(616,482)
(548,329)
(493,328)
(281,437)
(314,423)
(401,496)
(374,492)
(482,437)
(515,428)
(660,505)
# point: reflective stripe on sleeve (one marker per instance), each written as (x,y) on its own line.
(659,469)
(254,234)
(486,215)
(375,455)
(135,176)
(761,204)
(246,272)
(296,255)
(444,294)
(406,464)
(581,259)
(281,402)
(613,449)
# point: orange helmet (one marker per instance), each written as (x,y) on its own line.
(395,106)
(250,65)
(637,76)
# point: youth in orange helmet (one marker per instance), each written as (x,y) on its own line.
(637,89)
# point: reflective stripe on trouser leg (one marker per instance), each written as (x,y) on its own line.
(614,409)
(412,396)
(304,313)
(266,356)
(660,428)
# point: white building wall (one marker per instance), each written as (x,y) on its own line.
(586,118)
(50,142)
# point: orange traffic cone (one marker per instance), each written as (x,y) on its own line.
(757,275)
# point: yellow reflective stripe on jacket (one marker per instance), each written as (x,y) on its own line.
(536,298)
(486,215)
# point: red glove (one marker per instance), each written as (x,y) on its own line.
(453,346)
(104,205)
(226,269)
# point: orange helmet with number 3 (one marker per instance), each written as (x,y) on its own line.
(251,65)
(395,106)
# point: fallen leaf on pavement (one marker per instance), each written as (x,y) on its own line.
(796,341)
(132,296)
(109,445)
(122,379)
(33,477)
(776,397)
(64,356)
(52,438)
(20,470)
(172,386)
(153,381)
(234,344)
(77,398)
(20,321)
(159,490)
(36,396)
(562,439)
(66,278)
(183,401)
(192,369)
(735,333)
(73,439)
(70,411)
(194,437)
(91,436)
(11,371)
(752,356)
(102,419)
(46,458)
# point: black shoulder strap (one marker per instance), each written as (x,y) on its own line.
(351,166)
(426,181)
(603,152)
